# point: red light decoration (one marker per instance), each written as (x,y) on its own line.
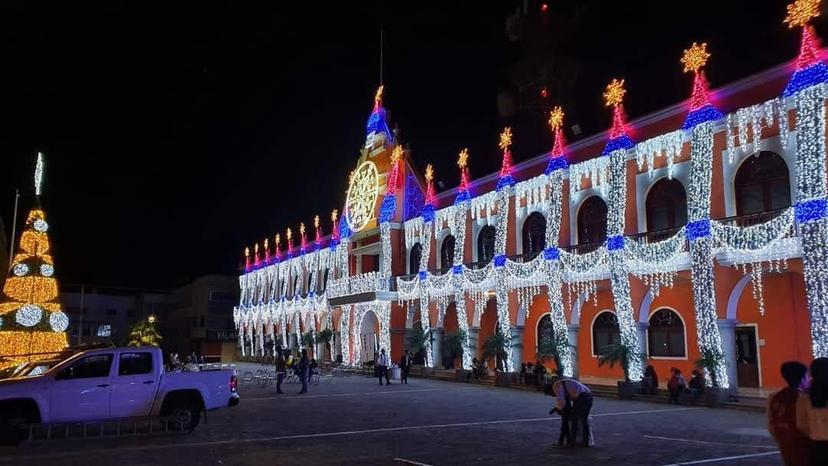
(429,176)
(544,7)
(278,239)
(396,158)
(544,93)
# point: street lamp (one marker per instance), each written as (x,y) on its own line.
(151,319)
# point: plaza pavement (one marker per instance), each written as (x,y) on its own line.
(354,421)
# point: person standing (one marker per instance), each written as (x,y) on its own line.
(581,397)
(382,367)
(281,369)
(812,413)
(302,370)
(405,366)
(782,416)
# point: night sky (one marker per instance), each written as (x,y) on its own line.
(176,133)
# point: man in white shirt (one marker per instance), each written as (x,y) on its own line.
(382,367)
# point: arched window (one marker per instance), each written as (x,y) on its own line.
(666,205)
(534,235)
(604,331)
(762,184)
(414,258)
(323,285)
(485,244)
(447,252)
(665,335)
(545,335)
(592,221)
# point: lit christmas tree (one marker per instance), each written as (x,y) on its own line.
(32,325)
(463,193)
(557,159)
(810,69)
(701,109)
(506,178)
(618,138)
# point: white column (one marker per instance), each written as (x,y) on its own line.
(517,339)
(727,330)
(572,336)
(436,346)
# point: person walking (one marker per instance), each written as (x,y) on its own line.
(581,397)
(382,367)
(302,370)
(405,366)
(782,416)
(281,369)
(812,413)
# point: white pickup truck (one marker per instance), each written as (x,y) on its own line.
(110,384)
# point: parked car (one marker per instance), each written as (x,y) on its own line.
(111,384)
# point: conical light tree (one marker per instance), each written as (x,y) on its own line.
(32,324)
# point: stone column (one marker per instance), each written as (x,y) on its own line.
(474,340)
(572,337)
(642,337)
(436,346)
(727,329)
(517,346)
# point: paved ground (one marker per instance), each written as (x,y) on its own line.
(357,422)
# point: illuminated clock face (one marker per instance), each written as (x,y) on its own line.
(362,196)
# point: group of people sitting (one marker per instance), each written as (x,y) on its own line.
(534,373)
(191,363)
(676,384)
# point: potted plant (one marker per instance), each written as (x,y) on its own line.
(553,347)
(325,337)
(307,340)
(620,353)
(495,347)
(714,396)
(417,341)
(453,345)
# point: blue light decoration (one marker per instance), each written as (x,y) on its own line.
(615,243)
(552,254)
(457,270)
(423,275)
(506,181)
(462,196)
(701,115)
(810,210)
(387,208)
(428,213)
(697,229)
(617,143)
(807,77)
(555,164)
(414,197)
(499,260)
(344,230)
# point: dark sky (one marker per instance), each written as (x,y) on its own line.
(178,132)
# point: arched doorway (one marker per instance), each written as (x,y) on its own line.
(485,245)
(447,253)
(666,205)
(414,259)
(534,235)
(762,184)
(369,337)
(592,224)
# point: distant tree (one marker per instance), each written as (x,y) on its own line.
(144,334)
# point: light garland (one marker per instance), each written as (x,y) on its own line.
(701,248)
(755,118)
(667,145)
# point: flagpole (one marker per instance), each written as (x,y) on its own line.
(14,227)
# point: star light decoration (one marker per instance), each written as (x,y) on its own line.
(801,12)
(701,109)
(614,94)
(278,241)
(334,229)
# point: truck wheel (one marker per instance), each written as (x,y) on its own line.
(183,416)
(11,432)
